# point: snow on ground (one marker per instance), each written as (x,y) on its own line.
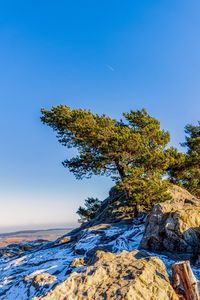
(55,258)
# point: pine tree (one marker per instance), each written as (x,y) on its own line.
(185,170)
(88,212)
(131,151)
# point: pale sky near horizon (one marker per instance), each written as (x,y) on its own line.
(107,56)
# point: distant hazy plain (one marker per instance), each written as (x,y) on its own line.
(31,235)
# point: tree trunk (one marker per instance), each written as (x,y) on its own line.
(183,277)
(120,169)
(122,174)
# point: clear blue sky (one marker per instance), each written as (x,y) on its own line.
(108,56)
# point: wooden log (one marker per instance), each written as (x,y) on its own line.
(184,279)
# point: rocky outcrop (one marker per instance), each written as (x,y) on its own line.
(128,275)
(113,209)
(41,279)
(63,257)
(68,268)
(78,262)
(174,225)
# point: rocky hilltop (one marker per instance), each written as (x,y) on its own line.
(101,260)
(127,275)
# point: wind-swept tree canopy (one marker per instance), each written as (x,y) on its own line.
(131,151)
(185,170)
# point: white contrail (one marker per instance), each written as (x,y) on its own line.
(110,68)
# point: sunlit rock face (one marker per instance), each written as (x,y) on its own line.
(127,275)
(174,225)
(104,251)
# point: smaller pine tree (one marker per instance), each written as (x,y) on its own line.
(88,212)
(185,169)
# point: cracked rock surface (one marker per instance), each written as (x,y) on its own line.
(127,275)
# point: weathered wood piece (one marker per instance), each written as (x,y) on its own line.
(183,278)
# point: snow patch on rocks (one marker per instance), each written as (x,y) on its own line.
(55,258)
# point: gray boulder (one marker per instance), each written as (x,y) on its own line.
(174,225)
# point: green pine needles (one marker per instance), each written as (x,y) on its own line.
(89,210)
(132,151)
(185,169)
